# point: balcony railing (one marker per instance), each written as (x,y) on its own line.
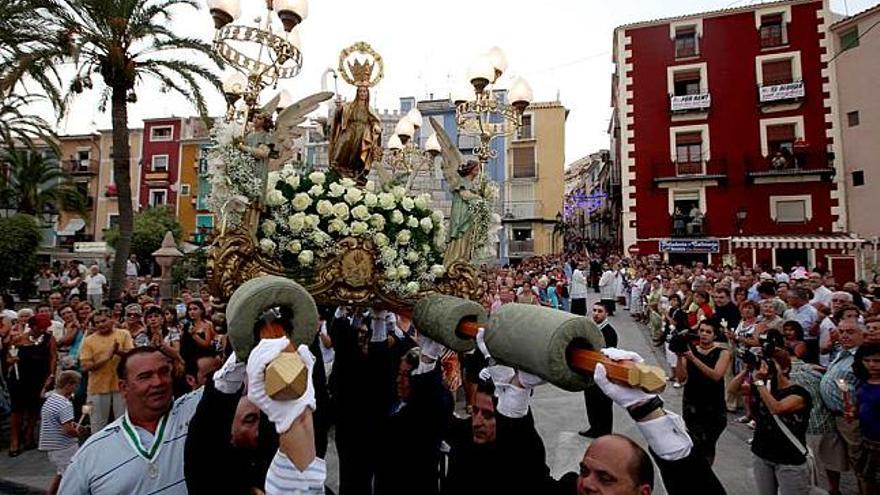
(670,171)
(799,163)
(521,248)
(520,210)
(690,103)
(773,93)
(685,225)
(75,166)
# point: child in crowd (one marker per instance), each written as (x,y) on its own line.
(58,431)
(867,369)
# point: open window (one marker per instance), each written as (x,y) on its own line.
(687,213)
(687,82)
(780,144)
(526,131)
(689,153)
(160,163)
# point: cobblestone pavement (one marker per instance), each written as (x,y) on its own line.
(558,416)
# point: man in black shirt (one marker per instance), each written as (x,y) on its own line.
(599,406)
(725,311)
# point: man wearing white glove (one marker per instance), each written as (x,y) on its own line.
(296,467)
(600,413)
(142,451)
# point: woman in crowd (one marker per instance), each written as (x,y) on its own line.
(73,336)
(655,312)
(700,309)
(84,312)
(779,465)
(153,293)
(867,369)
(794,339)
(769,319)
(746,333)
(198,335)
(31,358)
(740,295)
(118,313)
(71,282)
(172,322)
(527,295)
(701,368)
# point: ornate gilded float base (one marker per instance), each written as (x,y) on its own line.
(351,278)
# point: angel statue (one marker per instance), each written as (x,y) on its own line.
(266,139)
(461,176)
(356,136)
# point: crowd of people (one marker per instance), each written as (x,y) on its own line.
(797,353)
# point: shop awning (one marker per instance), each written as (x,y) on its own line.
(828,241)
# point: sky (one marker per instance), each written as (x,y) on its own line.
(561,47)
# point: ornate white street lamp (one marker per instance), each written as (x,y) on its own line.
(479,113)
(261,55)
(403,156)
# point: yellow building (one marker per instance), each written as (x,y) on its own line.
(80,157)
(534,185)
(193,187)
(107,207)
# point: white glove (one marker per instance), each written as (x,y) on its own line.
(430,348)
(622,396)
(230,376)
(621,355)
(529,380)
(499,374)
(281,412)
(481,343)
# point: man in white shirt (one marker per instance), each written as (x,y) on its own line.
(821,294)
(132,267)
(607,289)
(96,283)
(579,291)
(806,314)
(781,276)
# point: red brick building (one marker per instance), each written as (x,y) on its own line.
(724,130)
(160,167)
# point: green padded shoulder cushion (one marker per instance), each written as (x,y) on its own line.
(256,296)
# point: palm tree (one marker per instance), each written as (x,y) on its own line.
(37,187)
(17,127)
(125,42)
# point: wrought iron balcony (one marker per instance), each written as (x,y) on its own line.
(781,93)
(669,171)
(517,249)
(795,165)
(690,103)
(685,225)
(512,211)
(82,167)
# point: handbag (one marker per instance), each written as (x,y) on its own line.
(815,489)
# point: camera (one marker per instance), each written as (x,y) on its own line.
(680,340)
(753,356)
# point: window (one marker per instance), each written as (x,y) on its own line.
(781,138)
(687,83)
(791,211)
(849,39)
(858,178)
(184,189)
(162,133)
(525,132)
(777,72)
(158,197)
(772,30)
(689,152)
(523,162)
(522,234)
(686,42)
(160,163)
(852,118)
(83,157)
(112,220)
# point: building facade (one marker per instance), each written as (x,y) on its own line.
(856,62)
(81,159)
(534,183)
(160,167)
(734,158)
(193,187)
(107,207)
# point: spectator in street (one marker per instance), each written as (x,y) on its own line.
(134,323)
(186,297)
(527,295)
(99,356)
(45,280)
(579,291)
(132,267)
(607,288)
(701,368)
(31,357)
(84,311)
(142,288)
(71,282)
(205,298)
(726,313)
(780,464)
(821,293)
(839,449)
(866,367)
(58,429)
(198,336)
(794,339)
(800,310)
(96,285)
(56,300)
(600,413)
(700,309)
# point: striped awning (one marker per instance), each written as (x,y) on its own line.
(833,241)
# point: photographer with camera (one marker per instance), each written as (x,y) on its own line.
(701,368)
(782,412)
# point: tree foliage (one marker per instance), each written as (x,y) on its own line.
(36,186)
(193,265)
(18,248)
(150,227)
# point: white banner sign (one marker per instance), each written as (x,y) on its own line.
(691,102)
(89,247)
(782,91)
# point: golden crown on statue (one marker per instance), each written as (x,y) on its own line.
(362,73)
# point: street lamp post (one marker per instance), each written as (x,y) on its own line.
(261,56)
(479,113)
(403,156)
(741,215)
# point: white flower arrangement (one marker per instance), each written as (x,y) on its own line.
(311,212)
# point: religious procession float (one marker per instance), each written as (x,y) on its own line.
(357,234)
